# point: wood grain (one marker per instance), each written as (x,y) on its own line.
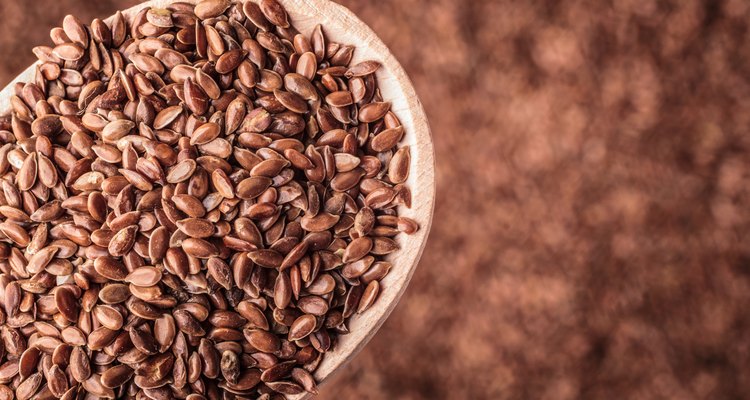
(341,25)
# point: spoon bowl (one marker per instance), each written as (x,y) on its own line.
(341,25)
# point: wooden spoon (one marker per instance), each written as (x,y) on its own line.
(341,25)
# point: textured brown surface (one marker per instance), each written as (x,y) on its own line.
(591,231)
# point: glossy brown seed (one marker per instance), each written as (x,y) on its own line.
(304,378)
(196,227)
(181,171)
(302,327)
(108,316)
(275,13)
(199,248)
(282,291)
(357,249)
(373,111)
(262,341)
(57,381)
(340,98)
(363,68)
(195,98)
(67,303)
(158,244)
(116,376)
(144,276)
(123,241)
(187,323)
(266,258)
(206,9)
(319,223)
(314,305)
(387,139)
(165,331)
(27,174)
(205,133)
(369,296)
(26,365)
(253,187)
(229,61)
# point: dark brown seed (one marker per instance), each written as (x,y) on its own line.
(253,187)
(116,376)
(363,68)
(187,323)
(205,133)
(304,378)
(357,249)
(369,296)
(28,362)
(198,248)
(101,337)
(67,303)
(196,227)
(282,291)
(195,98)
(229,61)
(262,341)
(302,327)
(27,174)
(314,305)
(266,258)
(319,223)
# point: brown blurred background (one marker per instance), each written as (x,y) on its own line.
(591,232)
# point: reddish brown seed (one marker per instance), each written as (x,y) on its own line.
(206,9)
(302,327)
(67,303)
(27,174)
(196,227)
(144,276)
(368,297)
(29,386)
(229,61)
(262,341)
(275,13)
(123,241)
(253,187)
(116,376)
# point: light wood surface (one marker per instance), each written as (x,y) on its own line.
(341,25)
